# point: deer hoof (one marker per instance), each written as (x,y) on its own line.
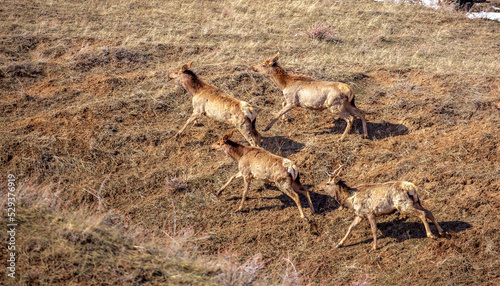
(338,246)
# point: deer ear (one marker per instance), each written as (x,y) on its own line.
(336,180)
(228,135)
(189,65)
(274,60)
(185,67)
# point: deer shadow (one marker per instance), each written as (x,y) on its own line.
(401,230)
(385,130)
(322,203)
(281,145)
(375,130)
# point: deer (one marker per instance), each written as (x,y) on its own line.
(372,200)
(212,102)
(257,163)
(306,92)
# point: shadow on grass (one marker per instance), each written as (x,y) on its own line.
(280,144)
(375,130)
(401,230)
(322,203)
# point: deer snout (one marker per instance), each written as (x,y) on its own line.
(171,76)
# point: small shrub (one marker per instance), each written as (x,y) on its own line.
(481,104)
(321,31)
(175,185)
(25,69)
(235,274)
(444,108)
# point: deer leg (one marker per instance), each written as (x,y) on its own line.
(247,136)
(193,117)
(245,191)
(287,189)
(255,134)
(295,197)
(283,117)
(359,113)
(422,215)
(285,109)
(349,119)
(354,223)
(302,190)
(252,132)
(237,175)
(373,225)
(246,130)
(428,215)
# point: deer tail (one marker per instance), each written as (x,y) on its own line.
(248,111)
(351,95)
(291,168)
(352,102)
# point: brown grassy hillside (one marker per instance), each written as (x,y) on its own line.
(88,115)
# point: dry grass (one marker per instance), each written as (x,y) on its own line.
(58,246)
(89,115)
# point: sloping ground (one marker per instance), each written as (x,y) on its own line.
(57,248)
(87,113)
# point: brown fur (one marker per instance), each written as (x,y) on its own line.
(212,102)
(257,163)
(306,92)
(372,200)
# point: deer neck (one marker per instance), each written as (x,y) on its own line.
(192,83)
(234,150)
(280,77)
(345,193)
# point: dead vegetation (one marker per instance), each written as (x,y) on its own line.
(86,109)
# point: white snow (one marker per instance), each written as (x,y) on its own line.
(485,15)
(472,15)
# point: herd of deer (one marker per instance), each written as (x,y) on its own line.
(367,200)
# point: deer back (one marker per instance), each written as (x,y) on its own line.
(383,198)
(220,106)
(264,165)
